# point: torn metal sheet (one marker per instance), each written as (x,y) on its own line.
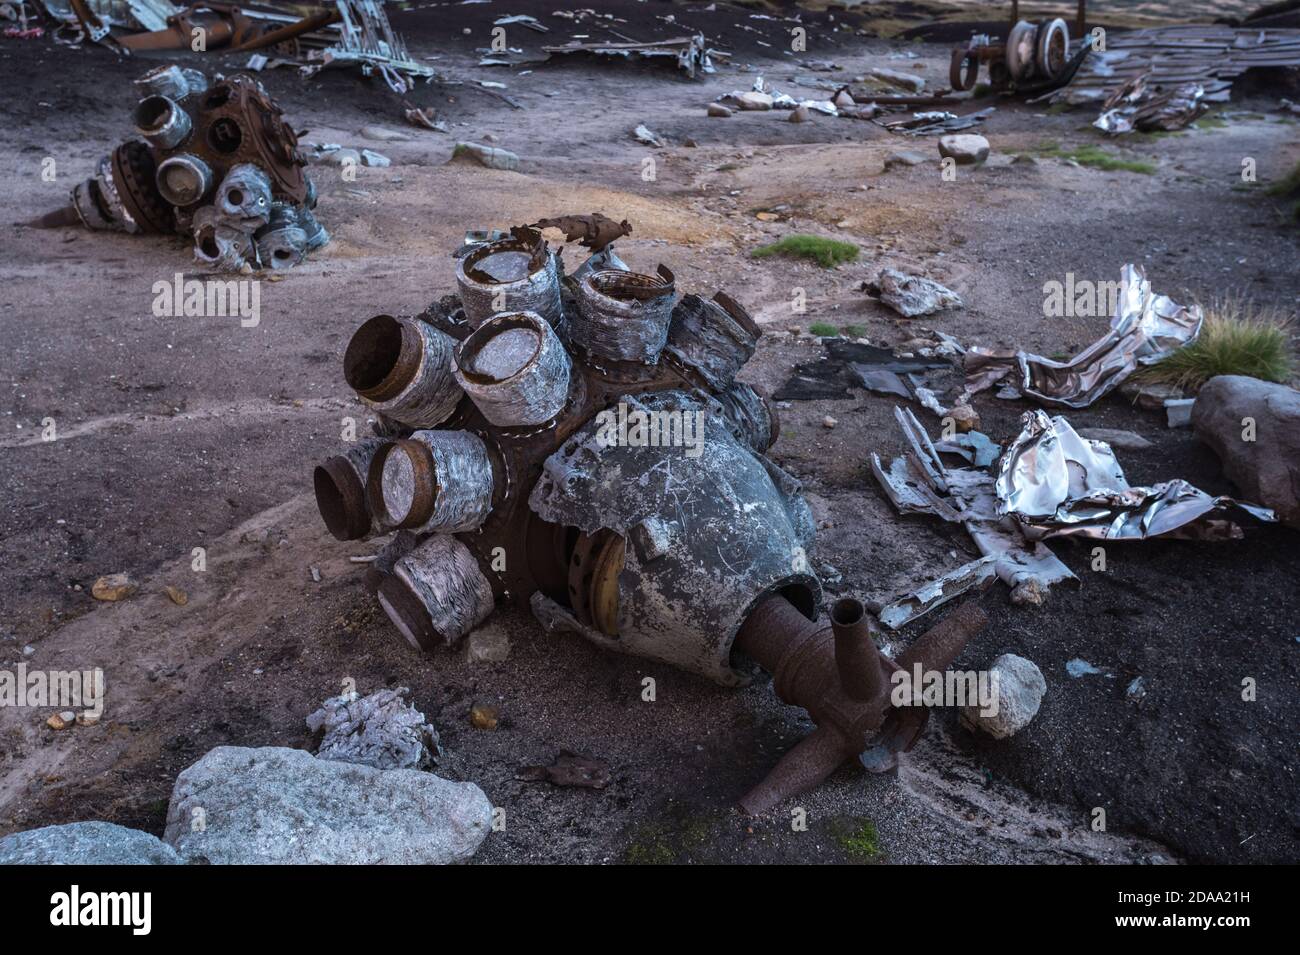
(1058,484)
(936,121)
(912,295)
(366,38)
(967,496)
(1146,327)
(978,574)
(778,100)
(1143,110)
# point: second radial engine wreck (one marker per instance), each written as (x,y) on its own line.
(214,160)
(581,443)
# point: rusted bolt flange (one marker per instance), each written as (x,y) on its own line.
(403,368)
(515,370)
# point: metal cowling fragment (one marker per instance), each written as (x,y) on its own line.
(162,122)
(172,82)
(340,484)
(431,481)
(403,368)
(712,339)
(518,274)
(437,593)
(624,316)
(515,370)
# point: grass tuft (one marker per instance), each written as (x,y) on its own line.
(823,330)
(1238,338)
(859,840)
(1097,158)
(825,252)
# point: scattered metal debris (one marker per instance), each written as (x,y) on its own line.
(978,574)
(381,730)
(1057,484)
(1033,57)
(1145,328)
(691,53)
(912,295)
(1209,55)
(218,162)
(595,456)
(920,483)
(854,365)
(1136,106)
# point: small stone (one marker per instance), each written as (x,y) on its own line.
(179,597)
(965,418)
(718,110)
(904,157)
(342,157)
(966,149)
(829,422)
(1079,667)
(484,716)
(61,721)
(87,719)
(800,114)
(371,158)
(1137,690)
(753,101)
(315,574)
(1178,412)
(904,81)
(29,651)
(384,135)
(842,98)
(488,644)
(114,587)
(1024,159)
(490,156)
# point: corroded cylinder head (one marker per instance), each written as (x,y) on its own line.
(403,368)
(162,122)
(341,490)
(510,275)
(431,481)
(219,244)
(184,180)
(623,316)
(515,370)
(282,242)
(712,340)
(436,594)
(245,194)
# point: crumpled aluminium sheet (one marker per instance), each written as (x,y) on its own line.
(920,483)
(1057,484)
(1145,328)
(781,100)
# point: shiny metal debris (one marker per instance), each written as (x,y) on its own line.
(919,482)
(601,465)
(1057,484)
(1146,327)
(1137,107)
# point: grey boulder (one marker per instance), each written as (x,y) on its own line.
(284,806)
(966,149)
(1018,688)
(1267,468)
(86,843)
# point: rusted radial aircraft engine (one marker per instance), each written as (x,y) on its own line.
(582,444)
(217,161)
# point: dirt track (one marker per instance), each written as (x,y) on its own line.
(179,433)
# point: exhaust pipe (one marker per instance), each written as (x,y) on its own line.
(403,368)
(431,481)
(340,484)
(515,370)
(518,274)
(624,316)
(436,594)
(184,180)
(160,121)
